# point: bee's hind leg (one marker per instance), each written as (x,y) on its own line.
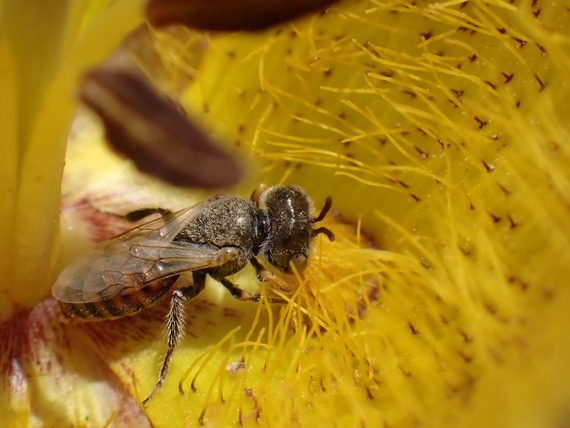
(137,215)
(175,324)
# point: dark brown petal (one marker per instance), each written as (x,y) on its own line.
(230,15)
(154,131)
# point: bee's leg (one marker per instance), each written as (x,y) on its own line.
(175,324)
(136,215)
(241,294)
(265,275)
(143,213)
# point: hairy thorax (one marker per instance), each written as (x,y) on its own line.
(226,222)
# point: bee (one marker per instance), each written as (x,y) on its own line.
(217,237)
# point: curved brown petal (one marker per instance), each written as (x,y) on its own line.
(230,15)
(154,132)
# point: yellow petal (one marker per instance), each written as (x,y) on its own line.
(51,376)
(39,106)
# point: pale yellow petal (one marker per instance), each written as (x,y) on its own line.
(39,105)
(51,376)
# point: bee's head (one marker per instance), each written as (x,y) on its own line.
(291,226)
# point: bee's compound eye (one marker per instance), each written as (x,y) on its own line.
(299,261)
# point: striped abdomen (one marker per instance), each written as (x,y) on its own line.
(120,305)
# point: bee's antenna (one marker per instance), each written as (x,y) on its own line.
(324,211)
(324,231)
(256,194)
(326,207)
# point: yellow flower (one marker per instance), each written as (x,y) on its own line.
(443,126)
(440,131)
(44,49)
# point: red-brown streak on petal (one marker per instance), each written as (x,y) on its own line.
(230,15)
(101,225)
(43,361)
(152,131)
(14,343)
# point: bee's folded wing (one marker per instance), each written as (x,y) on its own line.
(126,266)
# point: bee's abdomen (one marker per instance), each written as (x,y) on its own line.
(120,305)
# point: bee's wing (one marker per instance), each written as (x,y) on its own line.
(132,260)
(164,228)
